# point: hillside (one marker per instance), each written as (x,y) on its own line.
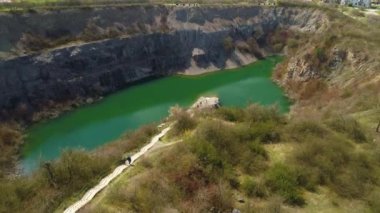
(254,160)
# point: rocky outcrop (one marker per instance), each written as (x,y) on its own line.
(206,103)
(174,39)
(299,69)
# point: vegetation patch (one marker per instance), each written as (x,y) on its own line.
(72,174)
(224,160)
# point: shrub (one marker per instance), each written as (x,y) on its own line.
(283,180)
(313,88)
(292,43)
(74,170)
(300,130)
(256,113)
(34,42)
(10,142)
(357,13)
(331,160)
(323,156)
(256,148)
(218,134)
(230,114)
(9,136)
(208,156)
(266,132)
(183,121)
(255,48)
(274,205)
(219,198)
(320,53)
(349,127)
(151,193)
(234,182)
(251,162)
(278,47)
(374,201)
(252,188)
(92,32)
(228,44)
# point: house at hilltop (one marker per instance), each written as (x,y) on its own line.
(356,3)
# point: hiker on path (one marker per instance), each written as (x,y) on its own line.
(129,160)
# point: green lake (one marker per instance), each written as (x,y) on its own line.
(94,125)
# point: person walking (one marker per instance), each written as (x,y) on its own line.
(129,160)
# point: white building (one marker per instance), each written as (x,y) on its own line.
(356,3)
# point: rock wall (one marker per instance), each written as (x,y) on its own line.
(165,46)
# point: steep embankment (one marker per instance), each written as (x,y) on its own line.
(337,71)
(105,53)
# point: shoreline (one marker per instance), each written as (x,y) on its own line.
(100,99)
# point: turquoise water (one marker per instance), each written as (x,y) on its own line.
(92,126)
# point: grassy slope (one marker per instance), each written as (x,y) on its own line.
(318,183)
(352,86)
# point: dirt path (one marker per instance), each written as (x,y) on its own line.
(90,194)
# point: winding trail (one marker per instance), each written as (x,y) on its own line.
(90,194)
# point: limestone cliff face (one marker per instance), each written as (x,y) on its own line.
(164,41)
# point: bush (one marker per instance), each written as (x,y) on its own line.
(151,192)
(228,44)
(255,48)
(252,162)
(321,55)
(323,156)
(357,13)
(230,114)
(9,136)
(75,170)
(218,197)
(332,160)
(218,134)
(183,121)
(34,42)
(10,142)
(374,201)
(300,130)
(256,148)
(209,157)
(349,127)
(256,113)
(292,43)
(252,188)
(283,180)
(267,132)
